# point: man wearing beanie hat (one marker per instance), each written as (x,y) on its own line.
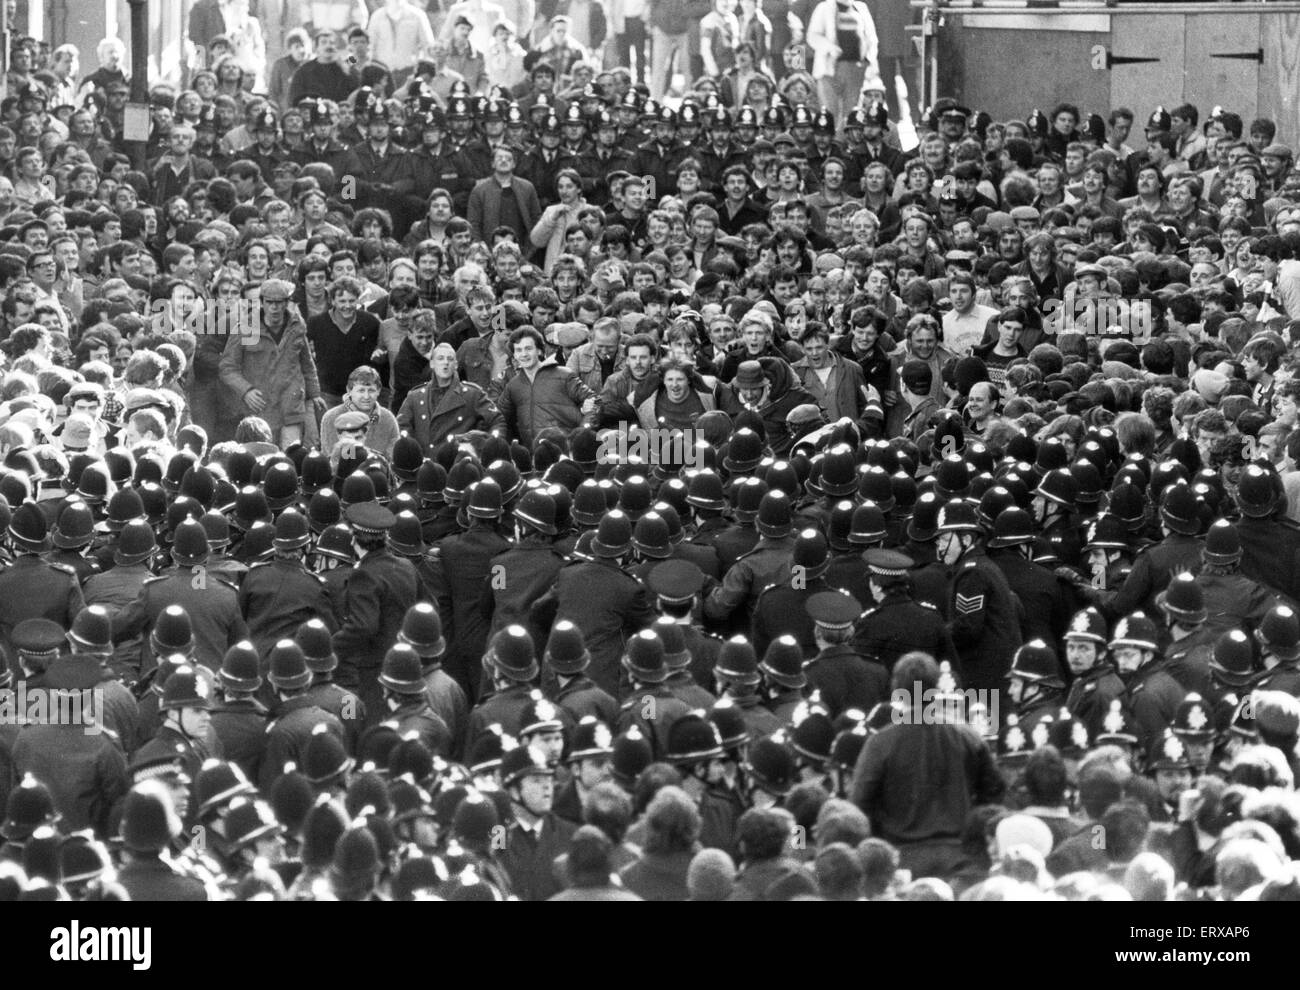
(269,365)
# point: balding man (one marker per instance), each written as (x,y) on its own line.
(446,406)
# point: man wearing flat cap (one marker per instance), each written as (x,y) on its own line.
(382,587)
(271,368)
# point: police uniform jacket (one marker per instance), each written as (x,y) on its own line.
(463,593)
(528,856)
(241,727)
(417,717)
(782,609)
(278,596)
(653,709)
(1153,697)
(168,740)
(1284,677)
(1091,694)
(447,698)
(147,877)
(985,618)
(85,772)
(381,589)
(846,679)
(373,170)
(1153,568)
(582,697)
(607,604)
(1188,661)
(767,564)
(1234,600)
(1046,607)
(899,625)
(88,671)
(1270,552)
(210,601)
(520,576)
(505,708)
(289,732)
(343,705)
(31,588)
(683,685)
(115,590)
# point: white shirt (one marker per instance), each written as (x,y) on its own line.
(962,333)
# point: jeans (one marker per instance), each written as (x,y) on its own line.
(664,47)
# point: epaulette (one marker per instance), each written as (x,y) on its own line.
(260,563)
(969,564)
(150,580)
(869,612)
(929,605)
(227,582)
(629,704)
(65,568)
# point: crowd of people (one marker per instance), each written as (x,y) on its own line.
(430,478)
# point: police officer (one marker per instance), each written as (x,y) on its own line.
(239,719)
(601,599)
(1149,691)
(588,760)
(279,595)
(982,608)
(1095,683)
(1179,551)
(86,668)
(322,145)
(296,717)
(266,151)
(313,638)
(526,571)
(695,749)
(678,659)
(461,578)
(564,678)
(422,631)
(783,677)
(31,587)
(651,704)
(187,703)
(1270,542)
(1046,606)
(1231,599)
(380,167)
(1035,685)
(767,564)
(510,664)
(380,590)
(1187,657)
(676,585)
(782,607)
(1278,636)
(896,624)
(843,677)
(210,601)
(407,704)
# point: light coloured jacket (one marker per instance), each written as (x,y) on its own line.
(549,230)
(821,37)
(285,373)
(398,44)
(584,363)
